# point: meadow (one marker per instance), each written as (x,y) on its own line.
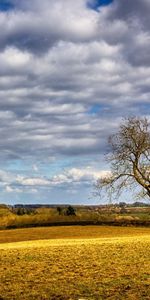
(75,263)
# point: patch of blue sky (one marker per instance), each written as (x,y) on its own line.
(95,109)
(143,108)
(96,4)
(17,166)
(6,5)
(47,168)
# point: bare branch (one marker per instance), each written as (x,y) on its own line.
(129,158)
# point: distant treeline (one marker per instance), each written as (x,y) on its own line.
(35,206)
(19,215)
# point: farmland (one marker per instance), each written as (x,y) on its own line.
(76,262)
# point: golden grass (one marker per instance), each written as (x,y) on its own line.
(112,264)
(60,232)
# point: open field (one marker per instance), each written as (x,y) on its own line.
(69,232)
(90,263)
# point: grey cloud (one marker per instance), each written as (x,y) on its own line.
(41,26)
(53,72)
(128,24)
(35,137)
(132,11)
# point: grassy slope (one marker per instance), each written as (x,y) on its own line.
(113,266)
(59,232)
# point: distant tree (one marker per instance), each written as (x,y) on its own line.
(70,211)
(129,158)
(123,210)
(140,204)
(59,210)
(20,211)
(23,210)
(122,204)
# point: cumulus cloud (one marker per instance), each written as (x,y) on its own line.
(71,177)
(79,176)
(41,25)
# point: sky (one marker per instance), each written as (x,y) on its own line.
(69,72)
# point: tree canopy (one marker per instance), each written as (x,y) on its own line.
(129,158)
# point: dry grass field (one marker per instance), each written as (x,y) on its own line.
(90,263)
(69,232)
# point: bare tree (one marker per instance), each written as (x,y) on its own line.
(129,158)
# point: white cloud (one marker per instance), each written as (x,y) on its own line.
(35,168)
(14,58)
(79,176)
(32,181)
(69,177)
(9,189)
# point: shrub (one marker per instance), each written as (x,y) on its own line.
(70,211)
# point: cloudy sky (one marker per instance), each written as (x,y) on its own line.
(69,71)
